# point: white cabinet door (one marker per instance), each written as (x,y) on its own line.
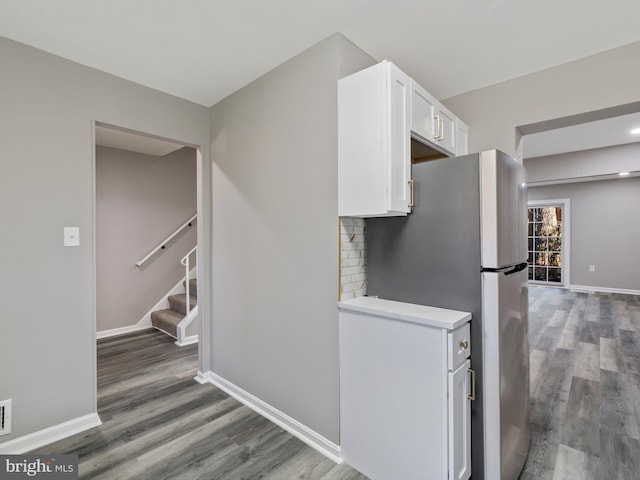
(393,397)
(459,423)
(399,98)
(374,157)
(431,122)
(462,137)
(423,113)
(446,129)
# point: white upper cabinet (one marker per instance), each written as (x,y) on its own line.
(374,157)
(447,129)
(423,113)
(462,137)
(379,109)
(431,122)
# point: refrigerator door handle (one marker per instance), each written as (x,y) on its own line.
(507,270)
(517,268)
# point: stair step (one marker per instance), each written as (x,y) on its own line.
(167,321)
(178,303)
(193,287)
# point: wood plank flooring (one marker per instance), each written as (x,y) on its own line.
(158,423)
(585,385)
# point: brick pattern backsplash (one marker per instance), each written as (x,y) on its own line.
(353,258)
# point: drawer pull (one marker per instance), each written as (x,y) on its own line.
(464,344)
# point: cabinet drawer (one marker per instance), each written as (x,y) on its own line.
(459,346)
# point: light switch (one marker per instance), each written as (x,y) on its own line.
(71,236)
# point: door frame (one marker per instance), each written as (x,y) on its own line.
(565,204)
(203,173)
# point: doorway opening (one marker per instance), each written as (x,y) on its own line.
(147,198)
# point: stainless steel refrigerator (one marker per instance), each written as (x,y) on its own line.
(464,247)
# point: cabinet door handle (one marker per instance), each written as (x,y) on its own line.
(441,127)
(437,126)
(464,344)
(473,384)
(412,202)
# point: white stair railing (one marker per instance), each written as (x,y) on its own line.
(192,313)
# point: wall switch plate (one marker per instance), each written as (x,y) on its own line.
(5,417)
(71,236)
(592,268)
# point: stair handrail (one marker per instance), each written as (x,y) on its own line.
(187,270)
(191,313)
(162,245)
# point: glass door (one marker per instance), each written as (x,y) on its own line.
(545,236)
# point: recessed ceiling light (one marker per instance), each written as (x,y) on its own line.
(623,174)
(635,131)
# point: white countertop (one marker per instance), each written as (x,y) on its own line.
(409,312)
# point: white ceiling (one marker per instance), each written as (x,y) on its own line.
(203,50)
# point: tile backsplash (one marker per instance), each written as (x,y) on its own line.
(353,258)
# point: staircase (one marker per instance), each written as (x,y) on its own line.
(168,320)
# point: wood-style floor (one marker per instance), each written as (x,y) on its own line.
(585,385)
(158,423)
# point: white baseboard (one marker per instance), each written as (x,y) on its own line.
(121,331)
(187,341)
(587,288)
(35,440)
(295,428)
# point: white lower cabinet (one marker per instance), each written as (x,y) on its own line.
(459,423)
(405,390)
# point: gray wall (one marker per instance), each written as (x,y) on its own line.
(275,235)
(587,163)
(605,223)
(140,200)
(592,83)
(605,230)
(47,346)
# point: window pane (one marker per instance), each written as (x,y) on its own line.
(531,215)
(538,229)
(537,214)
(530,229)
(540,274)
(555,244)
(555,260)
(531,244)
(541,244)
(530,259)
(530,273)
(541,258)
(555,231)
(555,275)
